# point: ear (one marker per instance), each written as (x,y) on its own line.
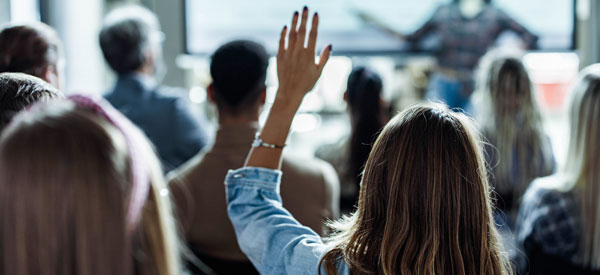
(148,65)
(346,96)
(51,76)
(210,92)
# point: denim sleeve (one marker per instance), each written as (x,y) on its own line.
(267,233)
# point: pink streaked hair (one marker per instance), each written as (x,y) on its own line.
(140,181)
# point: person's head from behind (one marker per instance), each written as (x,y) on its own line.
(33,49)
(238,71)
(18,90)
(367,115)
(81,194)
(582,166)
(505,88)
(511,120)
(131,40)
(424,205)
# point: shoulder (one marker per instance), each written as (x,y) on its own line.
(170,95)
(187,171)
(304,165)
(549,215)
(311,170)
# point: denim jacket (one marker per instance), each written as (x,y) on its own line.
(267,233)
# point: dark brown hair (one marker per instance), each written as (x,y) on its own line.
(424,205)
(364,104)
(29,49)
(17,91)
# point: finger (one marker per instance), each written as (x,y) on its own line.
(324,57)
(302,30)
(282,41)
(293,31)
(312,36)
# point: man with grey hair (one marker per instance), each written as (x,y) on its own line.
(130,40)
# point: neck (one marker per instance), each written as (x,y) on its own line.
(146,69)
(242,119)
(470,8)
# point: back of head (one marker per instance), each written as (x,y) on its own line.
(363,95)
(424,205)
(29,49)
(127,35)
(582,165)
(65,191)
(238,70)
(511,120)
(18,91)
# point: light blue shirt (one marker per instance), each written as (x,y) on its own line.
(267,233)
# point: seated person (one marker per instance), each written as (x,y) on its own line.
(311,191)
(424,205)
(18,91)
(82,192)
(507,110)
(33,49)
(366,108)
(131,43)
(557,225)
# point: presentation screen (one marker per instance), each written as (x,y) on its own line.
(210,23)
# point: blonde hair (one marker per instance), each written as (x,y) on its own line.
(424,205)
(582,166)
(65,183)
(511,121)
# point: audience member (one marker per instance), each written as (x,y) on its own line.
(17,91)
(311,192)
(510,119)
(558,221)
(131,42)
(33,49)
(424,206)
(367,116)
(81,192)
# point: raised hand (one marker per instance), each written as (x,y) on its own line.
(296,67)
(298,73)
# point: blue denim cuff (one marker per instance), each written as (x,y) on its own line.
(267,179)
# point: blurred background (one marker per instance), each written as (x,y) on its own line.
(567,29)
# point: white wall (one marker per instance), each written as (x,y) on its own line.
(170,14)
(78,24)
(588,38)
(4,11)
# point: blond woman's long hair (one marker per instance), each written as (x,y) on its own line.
(510,119)
(582,166)
(424,205)
(65,183)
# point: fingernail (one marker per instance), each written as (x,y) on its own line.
(330,47)
(305,8)
(284,28)
(295,13)
(316,14)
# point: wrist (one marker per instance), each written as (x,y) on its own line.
(286,104)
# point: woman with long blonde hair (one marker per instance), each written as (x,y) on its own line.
(510,119)
(424,205)
(559,221)
(81,192)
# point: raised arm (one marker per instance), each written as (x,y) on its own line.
(297,73)
(267,233)
(508,23)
